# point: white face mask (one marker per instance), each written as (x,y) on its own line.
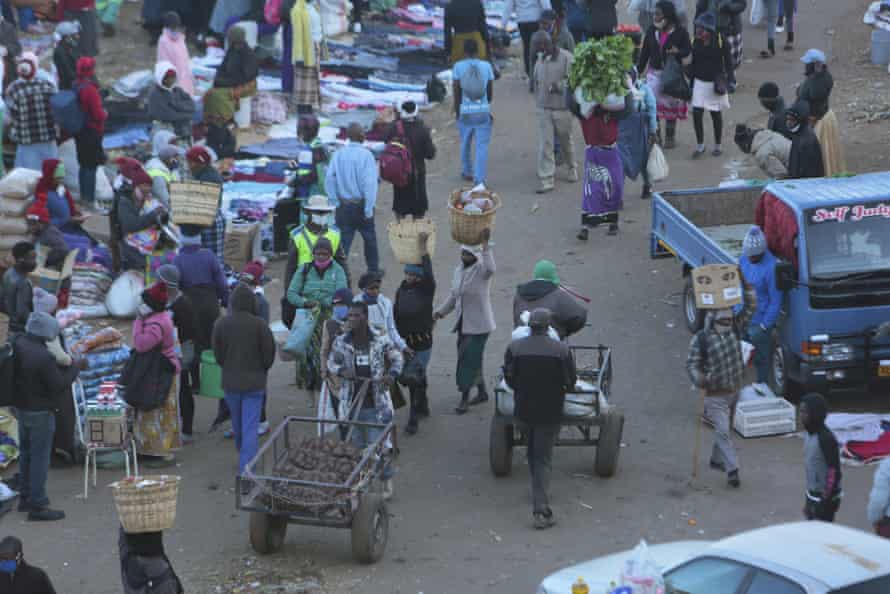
(794,129)
(319,219)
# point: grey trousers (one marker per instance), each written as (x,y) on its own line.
(719,410)
(540,456)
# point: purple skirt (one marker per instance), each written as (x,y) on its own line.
(603,188)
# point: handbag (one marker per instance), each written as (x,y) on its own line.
(673,81)
(413,373)
(147,378)
(721,84)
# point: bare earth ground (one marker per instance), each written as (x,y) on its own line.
(454,527)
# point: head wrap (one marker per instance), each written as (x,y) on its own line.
(132,169)
(198,154)
(408,110)
(27,65)
(156,296)
(254,270)
(86,67)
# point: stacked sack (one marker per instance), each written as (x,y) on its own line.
(90,282)
(16,194)
(105,353)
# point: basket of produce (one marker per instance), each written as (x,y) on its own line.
(403,239)
(146,503)
(598,73)
(472,211)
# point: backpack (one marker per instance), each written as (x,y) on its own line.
(7,374)
(67,112)
(147,378)
(472,84)
(396,162)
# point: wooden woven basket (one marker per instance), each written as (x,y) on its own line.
(194,203)
(466,228)
(403,239)
(146,503)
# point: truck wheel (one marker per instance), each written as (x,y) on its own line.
(780,383)
(370,529)
(267,532)
(500,446)
(609,444)
(695,318)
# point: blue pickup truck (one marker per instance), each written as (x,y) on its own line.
(835,273)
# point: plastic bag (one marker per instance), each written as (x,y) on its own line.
(326,411)
(673,81)
(641,574)
(657,166)
(125,295)
(301,331)
(19,184)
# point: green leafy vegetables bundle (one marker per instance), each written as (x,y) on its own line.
(600,67)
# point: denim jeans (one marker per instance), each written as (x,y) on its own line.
(762,341)
(362,437)
(245,408)
(36,429)
(87,178)
(32,156)
(351,218)
(474,129)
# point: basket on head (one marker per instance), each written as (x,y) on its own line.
(403,239)
(467,227)
(146,503)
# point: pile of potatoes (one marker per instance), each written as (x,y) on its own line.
(319,460)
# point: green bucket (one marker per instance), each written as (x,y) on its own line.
(211,376)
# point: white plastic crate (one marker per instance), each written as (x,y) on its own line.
(764,416)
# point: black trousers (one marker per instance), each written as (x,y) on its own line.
(824,512)
(526,30)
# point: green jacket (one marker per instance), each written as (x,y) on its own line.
(308,285)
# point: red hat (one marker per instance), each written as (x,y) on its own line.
(37,212)
(86,67)
(198,154)
(255,270)
(132,170)
(155,296)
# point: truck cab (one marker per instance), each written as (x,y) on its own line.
(832,239)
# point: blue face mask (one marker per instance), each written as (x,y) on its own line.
(340,312)
(8,566)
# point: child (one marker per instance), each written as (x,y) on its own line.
(172,48)
(821,461)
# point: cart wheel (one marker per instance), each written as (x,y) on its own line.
(695,318)
(267,532)
(609,444)
(370,529)
(500,446)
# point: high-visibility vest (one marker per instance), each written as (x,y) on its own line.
(154,172)
(304,240)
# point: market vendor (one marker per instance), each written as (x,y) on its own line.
(52,193)
(46,236)
(163,167)
(169,106)
(128,213)
(200,165)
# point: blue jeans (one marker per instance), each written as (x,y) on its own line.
(762,341)
(424,357)
(32,156)
(87,178)
(351,218)
(362,437)
(474,129)
(245,408)
(36,429)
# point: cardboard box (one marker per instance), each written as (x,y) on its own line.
(239,242)
(717,286)
(106,429)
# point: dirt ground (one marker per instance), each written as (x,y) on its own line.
(454,528)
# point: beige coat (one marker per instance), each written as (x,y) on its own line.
(771,150)
(470,296)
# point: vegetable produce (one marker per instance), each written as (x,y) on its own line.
(600,67)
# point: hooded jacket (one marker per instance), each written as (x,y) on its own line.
(172,48)
(27,579)
(816,89)
(243,345)
(821,452)
(40,384)
(540,370)
(170,105)
(771,150)
(47,184)
(805,158)
(567,316)
(88,94)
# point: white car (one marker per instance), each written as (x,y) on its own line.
(797,558)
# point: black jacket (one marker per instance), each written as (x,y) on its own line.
(567,315)
(26,580)
(816,89)
(805,159)
(652,54)
(65,59)
(464,16)
(243,344)
(413,310)
(184,318)
(40,384)
(709,60)
(605,17)
(540,371)
(239,67)
(776,121)
(729,13)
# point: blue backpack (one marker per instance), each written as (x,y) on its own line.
(67,112)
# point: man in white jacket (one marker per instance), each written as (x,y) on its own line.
(528,13)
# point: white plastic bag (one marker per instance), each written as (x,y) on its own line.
(641,574)
(657,167)
(757,15)
(325,411)
(19,184)
(68,156)
(125,295)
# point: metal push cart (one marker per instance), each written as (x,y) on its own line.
(357,503)
(594,366)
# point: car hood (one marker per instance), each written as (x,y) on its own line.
(602,571)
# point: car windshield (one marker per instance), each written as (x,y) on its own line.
(848,240)
(879,585)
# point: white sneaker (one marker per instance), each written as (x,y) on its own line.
(263,428)
(572,175)
(387,489)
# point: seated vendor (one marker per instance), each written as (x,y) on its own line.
(45,236)
(52,193)
(169,106)
(133,189)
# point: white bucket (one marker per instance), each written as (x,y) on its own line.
(242,116)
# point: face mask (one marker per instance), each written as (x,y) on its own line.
(794,129)
(144,310)
(322,264)
(340,312)
(8,566)
(319,219)
(723,326)
(660,24)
